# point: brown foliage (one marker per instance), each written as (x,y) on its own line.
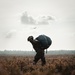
(20,65)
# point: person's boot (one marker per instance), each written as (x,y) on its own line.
(43,64)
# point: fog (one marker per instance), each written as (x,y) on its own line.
(21,18)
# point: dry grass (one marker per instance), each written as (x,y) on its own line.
(20,65)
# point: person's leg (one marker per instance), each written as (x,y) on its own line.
(36,58)
(43,59)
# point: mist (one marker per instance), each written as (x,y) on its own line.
(20,19)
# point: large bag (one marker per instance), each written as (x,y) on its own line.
(44,40)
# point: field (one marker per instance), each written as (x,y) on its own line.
(23,65)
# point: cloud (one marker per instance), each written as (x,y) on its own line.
(44,20)
(10,34)
(25,19)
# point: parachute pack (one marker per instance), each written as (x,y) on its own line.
(44,40)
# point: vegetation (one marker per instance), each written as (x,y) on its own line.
(23,65)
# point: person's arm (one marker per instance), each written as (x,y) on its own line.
(34,42)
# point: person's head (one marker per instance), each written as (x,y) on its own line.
(30,38)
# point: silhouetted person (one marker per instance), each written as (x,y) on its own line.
(37,45)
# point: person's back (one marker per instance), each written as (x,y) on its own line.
(35,43)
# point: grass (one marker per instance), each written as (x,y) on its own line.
(23,65)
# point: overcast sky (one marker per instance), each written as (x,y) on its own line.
(21,18)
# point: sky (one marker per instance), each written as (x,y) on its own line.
(22,18)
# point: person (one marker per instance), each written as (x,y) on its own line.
(39,50)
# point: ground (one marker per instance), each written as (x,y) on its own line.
(23,65)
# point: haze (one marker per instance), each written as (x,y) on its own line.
(21,18)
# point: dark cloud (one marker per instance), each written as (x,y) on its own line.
(25,19)
(44,20)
